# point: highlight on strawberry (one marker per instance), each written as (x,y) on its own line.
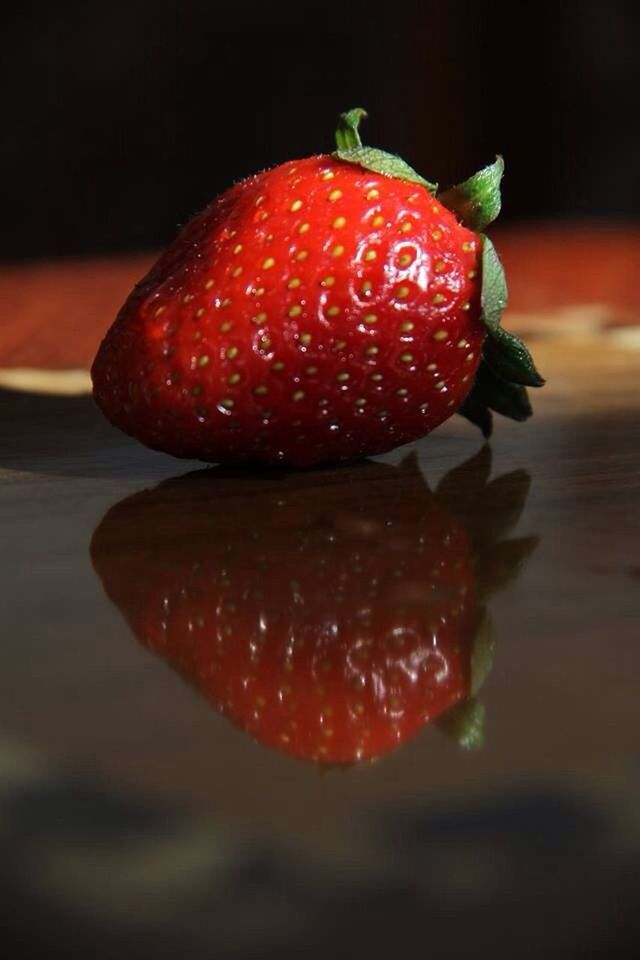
(325,310)
(330,615)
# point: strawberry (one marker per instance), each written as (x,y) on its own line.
(327,309)
(329,615)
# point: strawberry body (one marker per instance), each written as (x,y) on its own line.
(316,312)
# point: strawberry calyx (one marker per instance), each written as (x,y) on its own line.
(351,149)
(507,367)
(477,201)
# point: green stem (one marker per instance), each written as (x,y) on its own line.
(347,136)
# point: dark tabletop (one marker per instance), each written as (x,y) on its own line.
(137,819)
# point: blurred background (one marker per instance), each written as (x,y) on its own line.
(123,119)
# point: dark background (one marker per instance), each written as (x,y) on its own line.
(120,120)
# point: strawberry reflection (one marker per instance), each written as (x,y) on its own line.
(329,614)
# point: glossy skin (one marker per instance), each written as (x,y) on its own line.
(314,313)
(330,615)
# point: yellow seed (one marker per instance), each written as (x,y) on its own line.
(227,402)
(199,311)
(265,343)
(226,326)
(402,392)
(236,272)
(370,318)
(338,250)
(305,339)
(342,377)
(469,356)
(302,254)
(377,221)
(404,259)
(405,227)
(298,395)
(466,305)
(439,298)
(259,318)
(237,248)
(328,175)
(370,255)
(335,195)
(187,297)
(340,344)
(463,344)
(203,360)
(402,292)
(366,287)
(311,371)
(371,351)
(360,402)
(208,284)
(333,311)
(259,201)
(261,390)
(373,194)
(472,274)
(440,335)
(431,366)
(258,291)
(436,235)
(440,385)
(407,326)
(234,378)
(225,302)
(295,311)
(376,376)
(406,357)
(339,222)
(466,246)
(303,228)
(439,266)
(232,352)
(293,283)
(278,365)
(328,282)
(295,206)
(268,263)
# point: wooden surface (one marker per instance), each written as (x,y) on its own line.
(143,814)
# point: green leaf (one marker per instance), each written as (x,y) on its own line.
(476,411)
(350,149)
(477,201)
(491,392)
(464,723)
(509,399)
(493,296)
(509,357)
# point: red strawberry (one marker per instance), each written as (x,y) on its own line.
(330,615)
(327,309)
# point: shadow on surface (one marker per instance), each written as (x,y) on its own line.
(61,436)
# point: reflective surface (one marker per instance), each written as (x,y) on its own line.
(135,818)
